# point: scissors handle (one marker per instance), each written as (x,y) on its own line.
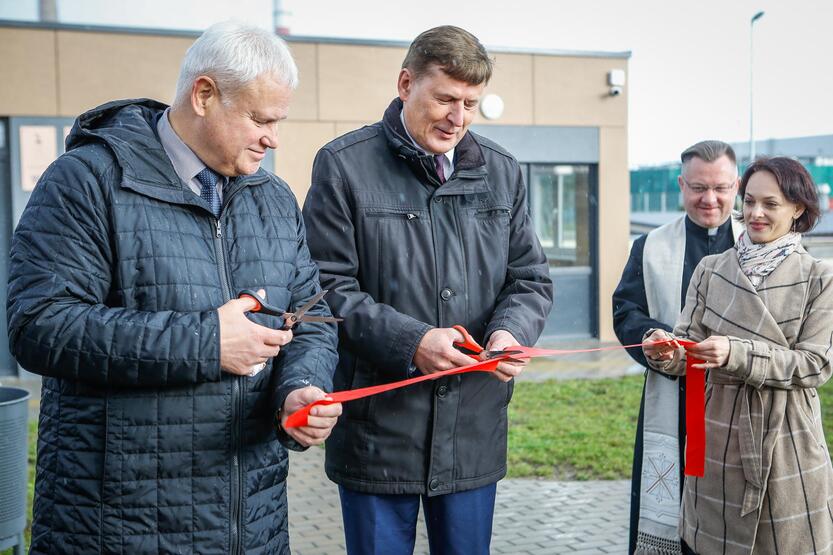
(468,342)
(260,303)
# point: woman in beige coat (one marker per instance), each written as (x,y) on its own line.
(763,316)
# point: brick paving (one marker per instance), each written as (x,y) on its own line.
(531,516)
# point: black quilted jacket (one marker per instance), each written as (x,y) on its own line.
(117,269)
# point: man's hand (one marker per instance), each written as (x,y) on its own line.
(436,351)
(714,352)
(659,353)
(321,418)
(500,340)
(245,346)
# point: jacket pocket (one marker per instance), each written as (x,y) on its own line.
(492,213)
(402,260)
(807,401)
(364,375)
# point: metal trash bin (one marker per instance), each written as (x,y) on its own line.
(14,452)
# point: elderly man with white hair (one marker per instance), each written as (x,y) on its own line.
(160,427)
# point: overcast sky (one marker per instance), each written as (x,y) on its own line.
(688,75)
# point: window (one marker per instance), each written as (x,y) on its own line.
(561,212)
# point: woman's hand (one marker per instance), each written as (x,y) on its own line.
(662,352)
(714,352)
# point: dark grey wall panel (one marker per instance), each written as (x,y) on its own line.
(572,311)
(545,144)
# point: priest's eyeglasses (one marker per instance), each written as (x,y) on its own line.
(699,189)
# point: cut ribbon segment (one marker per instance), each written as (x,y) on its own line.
(299,417)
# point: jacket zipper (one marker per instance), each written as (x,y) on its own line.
(236,483)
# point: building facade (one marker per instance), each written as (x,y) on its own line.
(559,118)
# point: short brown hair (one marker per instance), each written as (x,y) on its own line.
(456,51)
(709,151)
(795,183)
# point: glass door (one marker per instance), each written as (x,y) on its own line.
(562,199)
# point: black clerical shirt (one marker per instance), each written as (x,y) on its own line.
(630,303)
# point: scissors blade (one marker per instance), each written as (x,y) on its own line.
(506,352)
(317,297)
(320,319)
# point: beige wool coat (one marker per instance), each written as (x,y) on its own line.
(768,477)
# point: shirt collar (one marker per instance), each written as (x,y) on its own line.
(449,154)
(693,227)
(186,164)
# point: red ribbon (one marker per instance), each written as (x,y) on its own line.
(695,418)
(695,451)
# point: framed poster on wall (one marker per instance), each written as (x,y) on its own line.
(38,149)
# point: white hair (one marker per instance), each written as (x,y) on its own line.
(234,54)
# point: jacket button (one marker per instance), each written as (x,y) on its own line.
(438,199)
(446,294)
(433,484)
(442,390)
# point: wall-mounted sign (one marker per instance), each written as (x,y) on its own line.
(38,149)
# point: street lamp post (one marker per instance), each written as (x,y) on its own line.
(752,21)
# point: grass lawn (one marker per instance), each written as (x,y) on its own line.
(575,429)
(584,430)
(564,430)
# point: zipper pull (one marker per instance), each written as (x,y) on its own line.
(219,230)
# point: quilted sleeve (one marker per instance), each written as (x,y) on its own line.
(311,357)
(60,275)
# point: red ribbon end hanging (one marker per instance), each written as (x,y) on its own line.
(695,419)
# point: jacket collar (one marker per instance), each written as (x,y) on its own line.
(128,128)
(468,154)
(747,300)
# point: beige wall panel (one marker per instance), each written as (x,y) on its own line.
(574,91)
(27,66)
(614,218)
(356,83)
(346,127)
(304,104)
(94,68)
(298,143)
(512,81)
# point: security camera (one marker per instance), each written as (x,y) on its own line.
(616,81)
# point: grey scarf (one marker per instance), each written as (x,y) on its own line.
(758,260)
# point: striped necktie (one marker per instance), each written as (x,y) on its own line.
(438,163)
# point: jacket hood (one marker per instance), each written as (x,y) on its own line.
(128,128)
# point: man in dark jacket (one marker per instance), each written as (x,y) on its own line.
(158,429)
(417,225)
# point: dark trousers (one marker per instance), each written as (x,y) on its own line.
(457,523)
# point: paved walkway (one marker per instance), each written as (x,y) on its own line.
(539,517)
(534,517)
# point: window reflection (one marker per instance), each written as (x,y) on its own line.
(559,202)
